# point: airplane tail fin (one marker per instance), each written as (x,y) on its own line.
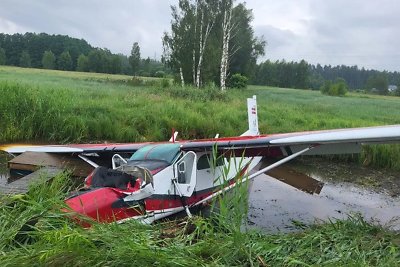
(252,117)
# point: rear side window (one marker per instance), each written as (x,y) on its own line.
(205,161)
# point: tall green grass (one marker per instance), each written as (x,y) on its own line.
(34,232)
(119,113)
(57,106)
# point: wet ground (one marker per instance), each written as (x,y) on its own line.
(274,205)
(347,188)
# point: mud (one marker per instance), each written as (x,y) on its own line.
(277,206)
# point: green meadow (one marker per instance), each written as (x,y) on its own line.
(63,107)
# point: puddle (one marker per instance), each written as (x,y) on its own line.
(273,205)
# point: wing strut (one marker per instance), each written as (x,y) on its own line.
(278,163)
(93,164)
(270,167)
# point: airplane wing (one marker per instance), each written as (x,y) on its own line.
(73,156)
(73,148)
(337,141)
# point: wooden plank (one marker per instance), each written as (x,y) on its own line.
(35,160)
(21,185)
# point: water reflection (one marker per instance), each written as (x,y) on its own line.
(273,204)
(3,168)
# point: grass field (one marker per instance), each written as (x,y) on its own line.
(58,106)
(53,106)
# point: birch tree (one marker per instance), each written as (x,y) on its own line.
(244,48)
(184,48)
(226,37)
(172,46)
(207,18)
(201,44)
(178,45)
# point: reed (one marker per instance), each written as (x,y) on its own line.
(56,106)
(35,232)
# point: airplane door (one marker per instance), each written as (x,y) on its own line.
(185,172)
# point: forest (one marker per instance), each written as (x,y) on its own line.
(302,75)
(209,43)
(61,52)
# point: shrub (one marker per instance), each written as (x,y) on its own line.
(165,83)
(204,94)
(397,91)
(159,74)
(237,81)
(339,88)
(135,81)
(325,88)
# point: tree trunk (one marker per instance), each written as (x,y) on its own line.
(201,54)
(226,35)
(200,50)
(194,46)
(182,80)
(203,42)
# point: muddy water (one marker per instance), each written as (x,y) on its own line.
(3,168)
(274,205)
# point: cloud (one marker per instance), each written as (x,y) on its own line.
(363,33)
(111,24)
(10,27)
(359,32)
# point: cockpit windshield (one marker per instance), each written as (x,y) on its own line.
(164,152)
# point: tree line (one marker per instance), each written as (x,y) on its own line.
(194,52)
(356,78)
(282,74)
(307,76)
(66,53)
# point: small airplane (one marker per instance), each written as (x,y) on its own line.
(153,180)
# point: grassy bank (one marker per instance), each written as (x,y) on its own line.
(35,233)
(58,106)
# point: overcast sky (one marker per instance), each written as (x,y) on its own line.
(350,32)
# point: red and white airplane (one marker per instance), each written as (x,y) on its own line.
(150,181)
